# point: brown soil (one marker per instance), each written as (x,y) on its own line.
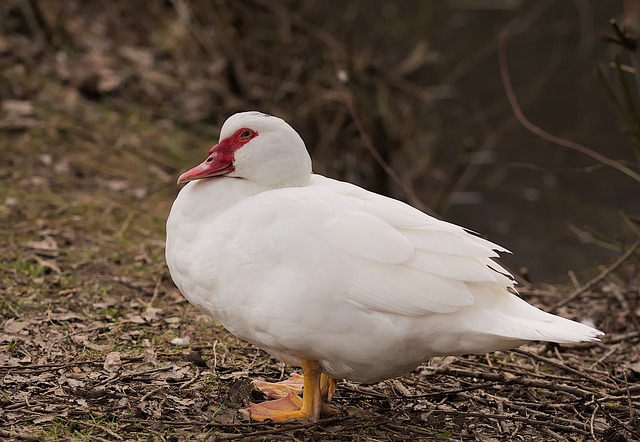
(101,108)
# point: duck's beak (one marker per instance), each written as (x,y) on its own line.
(217,163)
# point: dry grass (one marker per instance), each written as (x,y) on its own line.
(94,131)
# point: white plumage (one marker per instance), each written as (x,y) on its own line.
(310,268)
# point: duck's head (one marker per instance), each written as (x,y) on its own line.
(259,148)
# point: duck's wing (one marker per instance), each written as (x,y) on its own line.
(411,263)
(399,260)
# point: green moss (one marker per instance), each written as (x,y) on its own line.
(28,267)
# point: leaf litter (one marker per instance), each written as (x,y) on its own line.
(98,344)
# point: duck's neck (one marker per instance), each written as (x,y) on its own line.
(215,195)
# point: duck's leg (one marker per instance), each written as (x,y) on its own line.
(327,388)
(291,406)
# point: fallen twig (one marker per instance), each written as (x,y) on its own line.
(598,278)
(280,430)
(517,111)
(562,366)
(98,427)
(497,377)
(366,140)
(582,429)
(21,436)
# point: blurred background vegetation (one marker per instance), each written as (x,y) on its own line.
(403,98)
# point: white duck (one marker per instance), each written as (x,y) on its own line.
(328,276)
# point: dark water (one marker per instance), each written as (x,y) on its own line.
(536,190)
(528,193)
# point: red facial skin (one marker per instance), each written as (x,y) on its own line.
(221,157)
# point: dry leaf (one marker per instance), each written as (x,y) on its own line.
(151,314)
(67,316)
(181,341)
(45,418)
(48,244)
(133,318)
(112,362)
(17,108)
(14,326)
(93,75)
(177,400)
(150,356)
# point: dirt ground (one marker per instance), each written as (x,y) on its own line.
(97,343)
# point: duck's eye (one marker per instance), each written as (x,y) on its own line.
(245,134)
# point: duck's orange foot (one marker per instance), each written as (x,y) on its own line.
(283,409)
(278,410)
(277,390)
(316,387)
